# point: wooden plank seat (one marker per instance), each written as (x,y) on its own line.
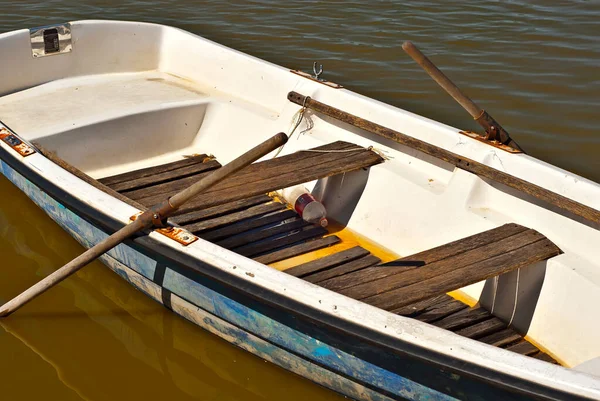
(258,178)
(445,268)
(260,227)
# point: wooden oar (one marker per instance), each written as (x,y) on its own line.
(152,217)
(472,166)
(494,131)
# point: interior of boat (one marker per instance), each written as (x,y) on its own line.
(408,233)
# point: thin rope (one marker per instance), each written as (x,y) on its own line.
(516,297)
(297,120)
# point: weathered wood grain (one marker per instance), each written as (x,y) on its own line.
(482,329)
(166,176)
(417,308)
(346,268)
(259,234)
(501,338)
(248,224)
(150,171)
(452,279)
(463,318)
(159,192)
(441,310)
(274,243)
(524,348)
(283,164)
(472,166)
(429,256)
(442,266)
(220,210)
(328,261)
(299,249)
(234,217)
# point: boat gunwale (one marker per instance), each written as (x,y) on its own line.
(527,375)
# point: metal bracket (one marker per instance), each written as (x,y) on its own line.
(50,40)
(178,234)
(491,142)
(312,78)
(15,143)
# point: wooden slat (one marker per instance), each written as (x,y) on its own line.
(220,210)
(159,192)
(166,176)
(482,329)
(429,256)
(463,318)
(248,224)
(271,244)
(150,171)
(259,234)
(327,262)
(501,338)
(452,279)
(349,267)
(299,249)
(457,160)
(544,357)
(524,348)
(441,310)
(417,308)
(234,217)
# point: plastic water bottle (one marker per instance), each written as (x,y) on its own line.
(310,209)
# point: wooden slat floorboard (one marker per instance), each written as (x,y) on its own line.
(247,224)
(235,216)
(327,262)
(280,241)
(441,310)
(501,338)
(220,210)
(166,176)
(150,171)
(346,268)
(299,249)
(262,233)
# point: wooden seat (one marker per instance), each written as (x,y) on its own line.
(256,179)
(445,268)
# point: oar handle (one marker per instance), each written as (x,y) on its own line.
(145,220)
(441,78)
(494,131)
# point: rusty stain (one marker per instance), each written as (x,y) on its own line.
(494,143)
(307,75)
(249,274)
(430,180)
(15,143)
(178,234)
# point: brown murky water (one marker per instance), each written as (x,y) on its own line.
(533,65)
